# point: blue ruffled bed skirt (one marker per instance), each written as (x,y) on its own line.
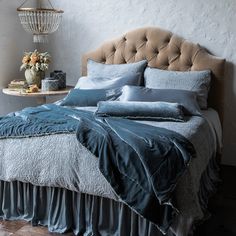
(62,210)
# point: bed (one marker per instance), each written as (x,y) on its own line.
(68,192)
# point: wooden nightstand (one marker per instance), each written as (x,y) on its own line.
(40,96)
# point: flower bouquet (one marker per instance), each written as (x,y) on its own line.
(35,65)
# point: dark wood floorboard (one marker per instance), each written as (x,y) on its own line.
(222,206)
(22,228)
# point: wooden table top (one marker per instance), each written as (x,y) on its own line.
(21,93)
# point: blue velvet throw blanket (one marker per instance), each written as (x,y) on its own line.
(142,163)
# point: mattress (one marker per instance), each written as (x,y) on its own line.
(43,161)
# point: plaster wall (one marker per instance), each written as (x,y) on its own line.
(13,42)
(86,24)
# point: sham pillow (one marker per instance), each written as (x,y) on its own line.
(163,111)
(89,97)
(108,82)
(197,81)
(96,69)
(188,99)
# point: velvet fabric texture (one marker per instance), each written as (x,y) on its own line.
(89,97)
(197,81)
(62,210)
(40,121)
(150,159)
(162,111)
(185,98)
(141,162)
(108,82)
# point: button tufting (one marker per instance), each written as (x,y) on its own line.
(145,39)
(167,40)
(156,51)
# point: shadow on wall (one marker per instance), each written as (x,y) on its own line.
(229,126)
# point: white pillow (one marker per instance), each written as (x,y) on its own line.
(108,82)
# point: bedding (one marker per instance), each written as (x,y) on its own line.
(38,121)
(77,168)
(108,82)
(89,97)
(197,81)
(162,111)
(69,194)
(141,163)
(96,69)
(187,99)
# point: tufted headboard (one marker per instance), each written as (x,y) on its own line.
(166,51)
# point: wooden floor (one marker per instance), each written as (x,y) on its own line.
(22,228)
(222,207)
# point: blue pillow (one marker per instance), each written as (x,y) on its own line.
(197,81)
(89,97)
(162,111)
(95,69)
(187,99)
(108,82)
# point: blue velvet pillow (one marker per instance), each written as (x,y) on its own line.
(89,97)
(197,81)
(163,111)
(96,69)
(108,82)
(187,99)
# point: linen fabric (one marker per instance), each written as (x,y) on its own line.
(162,111)
(89,97)
(97,69)
(76,174)
(197,81)
(91,82)
(75,163)
(185,98)
(152,184)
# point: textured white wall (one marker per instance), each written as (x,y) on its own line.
(87,23)
(13,42)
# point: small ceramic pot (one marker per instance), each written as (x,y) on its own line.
(49,85)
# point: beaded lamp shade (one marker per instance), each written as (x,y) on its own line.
(40,21)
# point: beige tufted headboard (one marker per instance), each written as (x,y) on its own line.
(166,51)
